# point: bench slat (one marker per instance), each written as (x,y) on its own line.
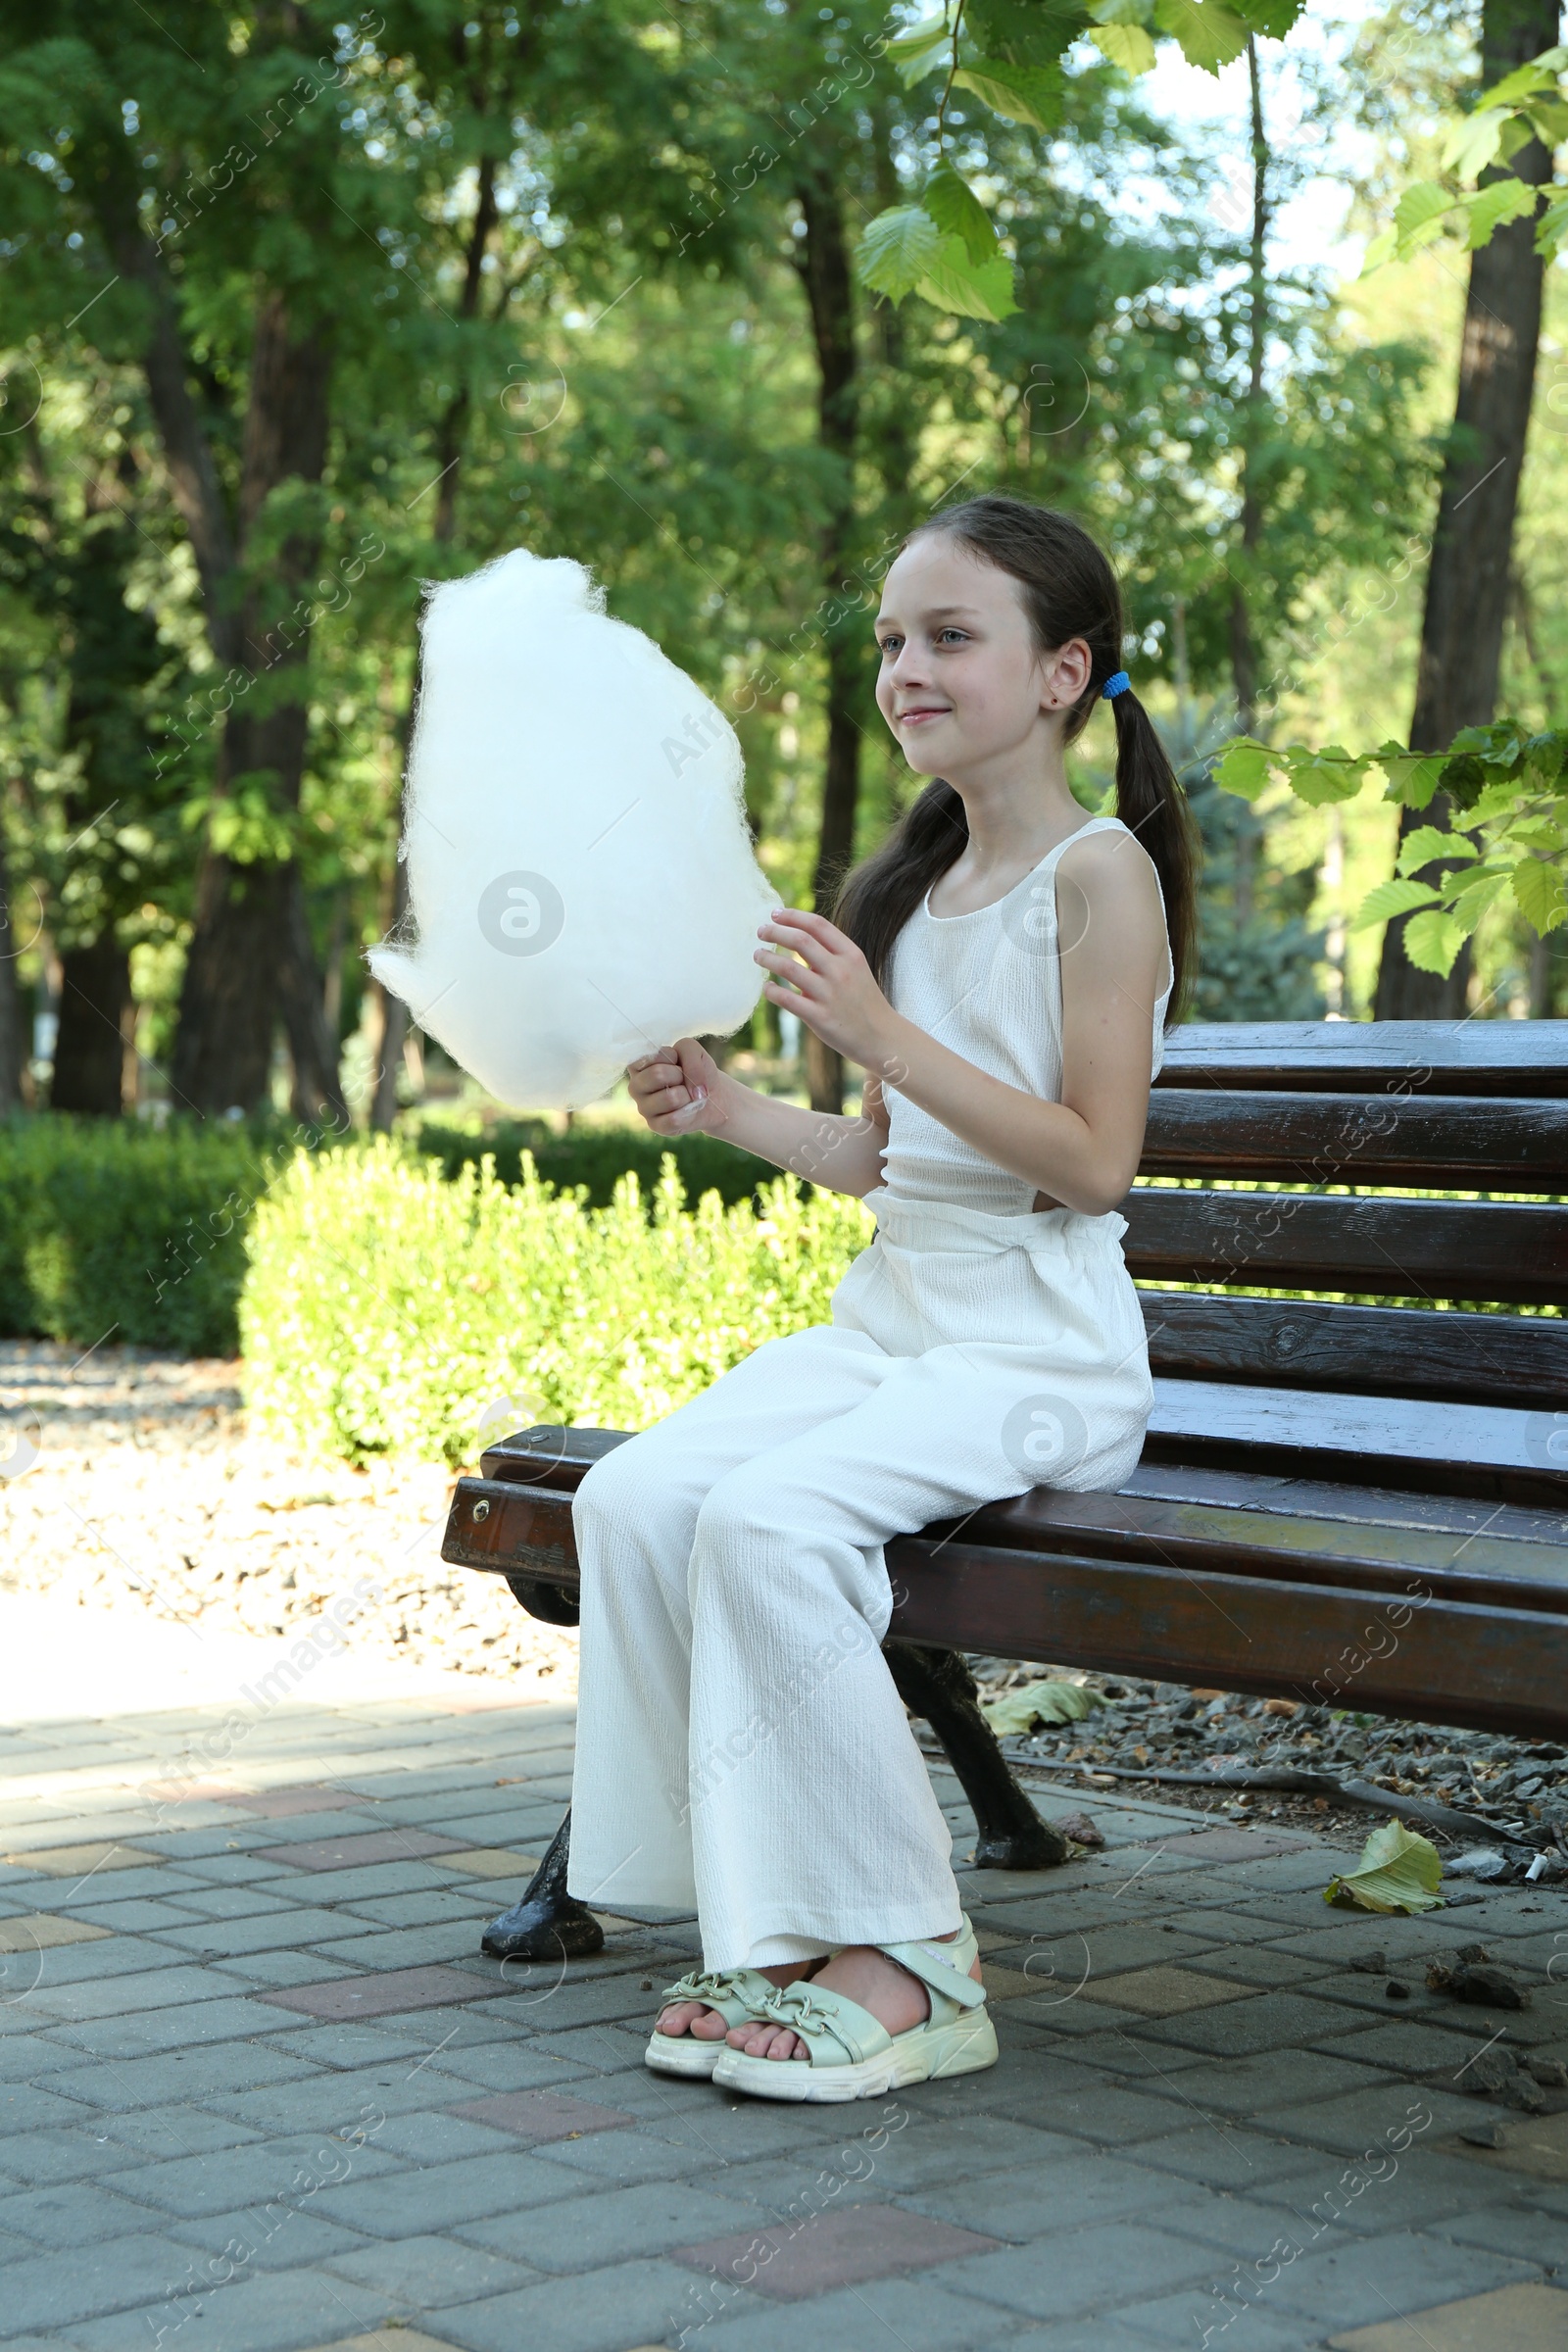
(1500,1250)
(1447,1057)
(1435,1447)
(1386,1632)
(1447,1661)
(1383,1351)
(1492,1143)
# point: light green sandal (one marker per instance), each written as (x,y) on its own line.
(852,2055)
(734,1993)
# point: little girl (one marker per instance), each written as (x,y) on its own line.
(1001,968)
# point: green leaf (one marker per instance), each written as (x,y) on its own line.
(917,50)
(1244,768)
(1552,229)
(1380,249)
(1272,19)
(1507,199)
(1321,777)
(898,250)
(1427,842)
(1500,742)
(1388,899)
(1418,216)
(957,211)
(1209,36)
(1525,81)
(1126,45)
(1432,940)
(1539,889)
(968,289)
(1398,1871)
(1029,94)
(1022,1709)
(1472,142)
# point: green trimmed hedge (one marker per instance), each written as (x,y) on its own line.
(109,1230)
(391,1311)
(599,1158)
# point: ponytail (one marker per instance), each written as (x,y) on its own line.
(1152,806)
(1070,590)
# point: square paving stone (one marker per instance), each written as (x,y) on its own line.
(789,2262)
(1373,2120)
(1229,2156)
(66,2212)
(1226,1845)
(1039,2199)
(83,1861)
(385,1994)
(1059,2279)
(227,2068)
(179,1985)
(1535,2147)
(268,2238)
(902,2315)
(425,2273)
(183,2029)
(514,2066)
(262,2173)
(535,2115)
(597,2227)
(304,1796)
(41,1931)
(353,1851)
(1178,2322)
(1511,2318)
(269,2313)
(446,2197)
(37,2159)
(103,2275)
(1360,2283)
(491,1862)
(1104,2113)
(1262,2087)
(1163,1991)
(1268,2021)
(643,2303)
(1412,2048)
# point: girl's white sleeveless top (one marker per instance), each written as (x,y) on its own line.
(988,985)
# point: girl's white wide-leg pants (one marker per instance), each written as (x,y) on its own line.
(741,1747)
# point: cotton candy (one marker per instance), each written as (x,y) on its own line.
(581,882)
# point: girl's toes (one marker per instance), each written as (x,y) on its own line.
(708,2025)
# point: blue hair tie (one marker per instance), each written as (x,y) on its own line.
(1120,683)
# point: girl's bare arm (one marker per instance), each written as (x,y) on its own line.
(1082,1152)
(680,1090)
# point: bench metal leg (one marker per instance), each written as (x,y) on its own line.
(938,1685)
(548,1924)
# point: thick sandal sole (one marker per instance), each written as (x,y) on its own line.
(682,2054)
(926,2054)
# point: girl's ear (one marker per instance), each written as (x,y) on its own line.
(1068,672)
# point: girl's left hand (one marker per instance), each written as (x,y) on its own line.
(833,991)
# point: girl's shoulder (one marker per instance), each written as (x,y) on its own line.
(1108,860)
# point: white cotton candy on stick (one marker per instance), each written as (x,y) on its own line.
(581,882)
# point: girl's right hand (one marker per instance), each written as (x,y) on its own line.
(678,1089)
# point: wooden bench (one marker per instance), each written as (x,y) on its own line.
(1350,1501)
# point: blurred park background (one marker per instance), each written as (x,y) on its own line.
(302,310)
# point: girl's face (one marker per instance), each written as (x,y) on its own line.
(961,683)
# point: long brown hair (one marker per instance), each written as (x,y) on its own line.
(1070,590)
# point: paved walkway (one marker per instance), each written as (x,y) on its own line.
(259,2093)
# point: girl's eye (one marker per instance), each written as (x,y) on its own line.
(888,645)
(949,632)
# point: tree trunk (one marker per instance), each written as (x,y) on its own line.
(1467,580)
(250,956)
(824,268)
(90,1043)
(13,1044)
(1244,650)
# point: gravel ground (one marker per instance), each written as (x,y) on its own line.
(1517,1787)
(132,1476)
(128,1475)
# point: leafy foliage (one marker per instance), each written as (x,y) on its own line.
(1399,1870)
(1530,103)
(1011,56)
(385,1309)
(1509,788)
